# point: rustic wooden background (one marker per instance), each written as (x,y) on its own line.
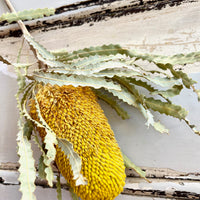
(172,161)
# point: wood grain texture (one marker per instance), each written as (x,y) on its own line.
(87,12)
(171,30)
(165,183)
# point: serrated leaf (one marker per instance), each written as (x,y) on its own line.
(163,81)
(113,49)
(26,94)
(142,84)
(146,71)
(109,73)
(109,100)
(27,169)
(22,88)
(188,82)
(131,88)
(90,66)
(74,160)
(192,126)
(175,90)
(166,108)
(90,69)
(178,59)
(26,114)
(47,159)
(160,127)
(62,79)
(27,14)
(147,86)
(45,169)
(92,51)
(28,128)
(147,115)
(49,175)
(41,168)
(117,72)
(20,81)
(129,164)
(124,95)
(150,120)
(50,141)
(39,48)
(141,104)
(83,62)
(198,94)
(58,188)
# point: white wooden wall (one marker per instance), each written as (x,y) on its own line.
(171,161)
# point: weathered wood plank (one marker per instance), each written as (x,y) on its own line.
(87,11)
(154,31)
(165,183)
(151,172)
(11,192)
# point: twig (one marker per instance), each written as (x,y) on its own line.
(24,31)
(20,23)
(20,51)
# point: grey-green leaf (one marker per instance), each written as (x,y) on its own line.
(74,159)
(166,108)
(175,90)
(27,14)
(198,94)
(160,127)
(27,169)
(50,141)
(124,95)
(129,164)
(150,119)
(45,169)
(92,51)
(28,128)
(188,82)
(109,100)
(91,69)
(62,79)
(41,168)
(113,49)
(39,48)
(192,126)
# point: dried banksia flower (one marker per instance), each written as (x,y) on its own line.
(73,113)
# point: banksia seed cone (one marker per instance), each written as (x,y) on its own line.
(73,113)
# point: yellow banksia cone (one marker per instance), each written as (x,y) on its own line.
(73,113)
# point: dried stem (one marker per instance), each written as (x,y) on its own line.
(20,23)
(24,30)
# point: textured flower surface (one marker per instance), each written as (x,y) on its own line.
(73,113)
